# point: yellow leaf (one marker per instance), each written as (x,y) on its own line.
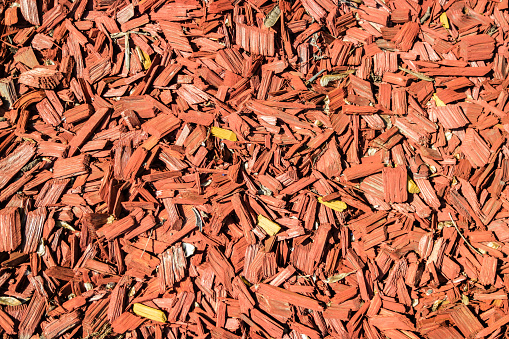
(149,313)
(144,58)
(412,187)
(336,205)
(269,226)
(465,300)
(438,101)
(244,280)
(147,63)
(222,133)
(444,20)
(9,301)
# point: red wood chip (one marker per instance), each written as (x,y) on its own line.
(254,169)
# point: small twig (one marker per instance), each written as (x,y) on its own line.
(8,44)
(462,237)
(148,240)
(121,34)
(199,222)
(314,77)
(417,74)
(426,15)
(127,53)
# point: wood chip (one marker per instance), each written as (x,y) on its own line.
(250,169)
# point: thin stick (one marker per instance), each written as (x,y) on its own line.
(127,60)
(8,44)
(146,244)
(462,237)
(417,74)
(314,77)
(199,222)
